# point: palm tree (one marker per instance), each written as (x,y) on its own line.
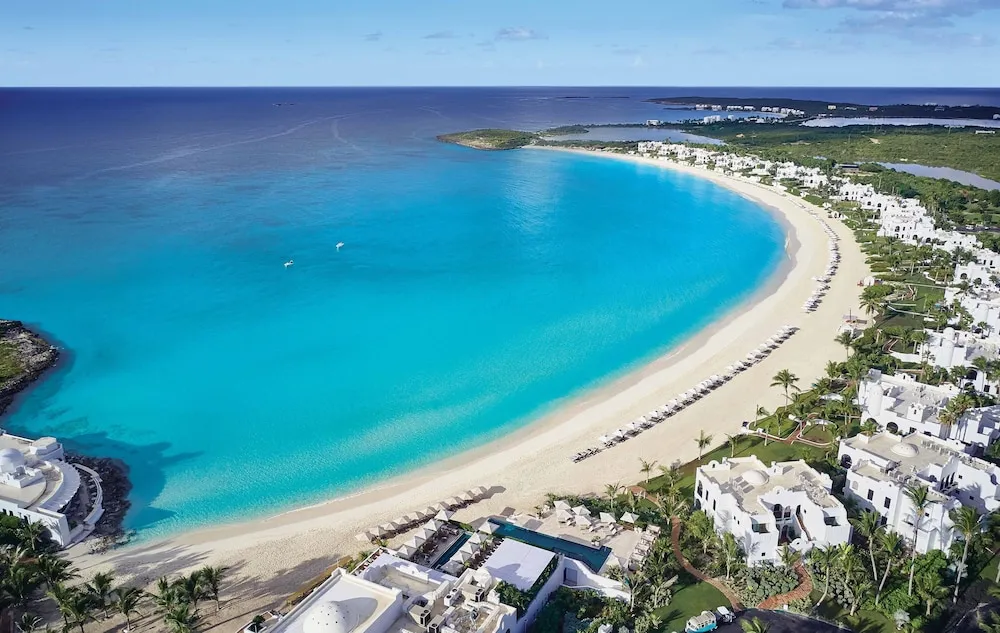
(54,570)
(824,558)
(181,619)
(832,369)
(919,496)
(702,529)
(19,583)
(732,440)
(730,551)
(673,503)
(759,414)
(786,380)
(646,467)
(789,557)
(892,545)
(869,525)
(703,441)
(931,591)
(100,587)
(29,623)
(79,609)
(871,305)
(612,491)
(755,625)
(191,589)
(845,338)
(32,534)
(670,476)
(61,596)
(126,602)
(869,427)
(166,597)
(211,578)
(969,524)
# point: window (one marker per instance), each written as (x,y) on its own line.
(887,503)
(871,495)
(700,493)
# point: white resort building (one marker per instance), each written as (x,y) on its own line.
(37,484)
(765,507)
(388,594)
(881,467)
(900,404)
(956,348)
(981,303)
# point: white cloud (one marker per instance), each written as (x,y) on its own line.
(519,34)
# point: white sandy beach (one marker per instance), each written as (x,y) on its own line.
(271,558)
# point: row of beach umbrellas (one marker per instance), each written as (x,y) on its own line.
(823,282)
(441,511)
(700,390)
(582,517)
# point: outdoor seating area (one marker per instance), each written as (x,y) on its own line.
(644,547)
(823,282)
(407,522)
(472,554)
(689,397)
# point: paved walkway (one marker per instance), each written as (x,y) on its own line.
(675,540)
(804,589)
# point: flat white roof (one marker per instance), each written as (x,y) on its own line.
(517,563)
(364,601)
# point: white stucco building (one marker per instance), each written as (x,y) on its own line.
(388,594)
(981,303)
(902,405)
(37,484)
(880,469)
(765,507)
(956,348)
(979,271)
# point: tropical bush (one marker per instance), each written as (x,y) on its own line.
(756,584)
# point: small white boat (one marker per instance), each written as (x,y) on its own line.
(290,262)
(339,244)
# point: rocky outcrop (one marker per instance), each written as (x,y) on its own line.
(116,486)
(24,357)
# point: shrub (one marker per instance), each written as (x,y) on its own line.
(756,584)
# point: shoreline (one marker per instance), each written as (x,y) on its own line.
(282,551)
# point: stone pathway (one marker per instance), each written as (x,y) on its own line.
(804,589)
(675,541)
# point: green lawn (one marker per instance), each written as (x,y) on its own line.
(818,433)
(688,602)
(861,622)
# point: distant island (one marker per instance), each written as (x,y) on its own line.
(490,139)
(810,108)
(24,357)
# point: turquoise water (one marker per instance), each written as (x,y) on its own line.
(474,292)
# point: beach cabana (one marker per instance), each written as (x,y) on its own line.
(462,556)
(480,491)
(444,515)
(453,502)
(374,532)
(413,517)
(440,505)
(434,525)
(469,547)
(629,518)
(416,542)
(405,551)
(477,538)
(608,518)
(583,521)
(401,522)
(467,496)
(564,516)
(488,527)
(581,511)
(561,505)
(389,527)
(363,537)
(426,532)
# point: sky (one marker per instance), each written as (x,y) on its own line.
(508,42)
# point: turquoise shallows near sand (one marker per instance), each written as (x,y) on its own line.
(474,292)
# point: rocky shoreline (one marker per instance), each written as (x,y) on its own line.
(31,356)
(30,352)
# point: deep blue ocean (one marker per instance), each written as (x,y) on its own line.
(145,232)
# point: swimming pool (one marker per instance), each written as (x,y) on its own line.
(592,557)
(457,545)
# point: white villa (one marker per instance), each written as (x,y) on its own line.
(982,304)
(956,348)
(881,467)
(37,484)
(980,269)
(388,594)
(767,506)
(900,404)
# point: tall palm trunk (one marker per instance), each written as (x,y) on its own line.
(961,571)
(885,577)
(913,566)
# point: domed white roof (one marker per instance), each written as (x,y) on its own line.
(10,459)
(755,477)
(329,617)
(905,449)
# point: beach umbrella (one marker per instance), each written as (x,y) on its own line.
(416,541)
(401,522)
(426,532)
(561,505)
(405,551)
(467,496)
(440,505)
(391,526)
(469,547)
(607,518)
(583,521)
(477,538)
(429,511)
(581,510)
(444,515)
(564,515)
(488,527)
(462,555)
(628,517)
(363,537)
(604,439)
(453,502)
(433,525)
(481,491)
(413,517)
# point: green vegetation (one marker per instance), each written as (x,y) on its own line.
(566,129)
(690,600)
(490,139)
(926,145)
(10,366)
(520,600)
